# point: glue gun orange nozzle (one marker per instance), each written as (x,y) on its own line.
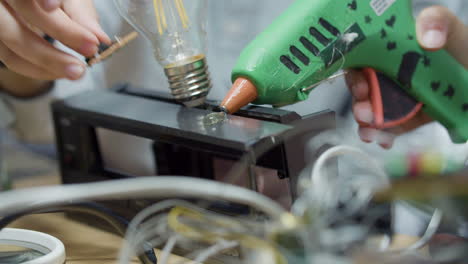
(242,93)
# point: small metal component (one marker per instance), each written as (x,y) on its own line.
(189,83)
(331,78)
(101,48)
(106,51)
(223,109)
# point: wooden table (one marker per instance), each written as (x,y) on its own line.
(84,244)
(87,245)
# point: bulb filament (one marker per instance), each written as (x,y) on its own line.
(161,20)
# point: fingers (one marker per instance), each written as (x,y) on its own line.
(364,115)
(358,86)
(84,13)
(437,28)
(363,112)
(23,67)
(49,5)
(19,42)
(383,138)
(81,11)
(58,25)
(386,138)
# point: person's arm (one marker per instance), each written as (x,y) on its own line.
(23,49)
(34,70)
(20,86)
(32,121)
(28,101)
(437,28)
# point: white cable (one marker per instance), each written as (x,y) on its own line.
(148,223)
(141,228)
(136,243)
(137,221)
(316,175)
(152,231)
(166,252)
(324,190)
(325,194)
(214,250)
(144,187)
(431,230)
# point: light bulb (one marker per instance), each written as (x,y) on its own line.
(176,30)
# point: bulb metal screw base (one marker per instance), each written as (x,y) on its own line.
(190,83)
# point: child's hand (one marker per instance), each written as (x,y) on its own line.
(437,28)
(72,22)
(49,5)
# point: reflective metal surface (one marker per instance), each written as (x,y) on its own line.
(190,83)
(152,118)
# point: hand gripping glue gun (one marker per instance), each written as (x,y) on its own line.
(312,40)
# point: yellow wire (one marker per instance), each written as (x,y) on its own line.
(212,237)
(163,14)
(158,16)
(184,13)
(181,10)
(161,20)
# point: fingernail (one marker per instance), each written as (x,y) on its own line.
(105,38)
(88,48)
(103,35)
(434,39)
(364,115)
(96,28)
(386,146)
(386,140)
(51,4)
(368,135)
(74,71)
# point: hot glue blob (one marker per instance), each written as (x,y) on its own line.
(214,118)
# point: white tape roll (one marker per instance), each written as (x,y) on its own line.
(52,248)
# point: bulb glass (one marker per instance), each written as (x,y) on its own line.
(175,28)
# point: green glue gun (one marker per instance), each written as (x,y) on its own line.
(314,39)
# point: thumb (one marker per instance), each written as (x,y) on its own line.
(438,28)
(84,13)
(50,5)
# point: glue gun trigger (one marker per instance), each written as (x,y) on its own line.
(391,105)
